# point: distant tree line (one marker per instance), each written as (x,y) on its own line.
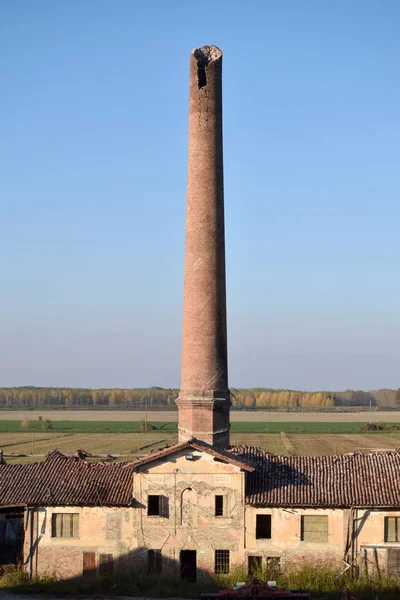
(155,397)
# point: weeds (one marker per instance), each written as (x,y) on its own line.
(323,583)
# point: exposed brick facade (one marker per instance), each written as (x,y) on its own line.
(204,398)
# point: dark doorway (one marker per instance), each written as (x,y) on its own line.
(11,535)
(188,565)
(255,565)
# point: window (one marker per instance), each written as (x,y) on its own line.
(219,506)
(154,561)
(154,506)
(392,529)
(221,561)
(65,525)
(263,527)
(314,528)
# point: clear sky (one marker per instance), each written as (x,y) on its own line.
(93,121)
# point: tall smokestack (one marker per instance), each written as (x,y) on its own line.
(204,398)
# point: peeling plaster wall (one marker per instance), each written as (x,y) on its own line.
(285,539)
(189,487)
(102,530)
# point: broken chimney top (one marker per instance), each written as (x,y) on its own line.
(204,56)
(207,54)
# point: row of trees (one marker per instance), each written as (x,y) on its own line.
(155,397)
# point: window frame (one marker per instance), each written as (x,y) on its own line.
(73,525)
(304,531)
(396,529)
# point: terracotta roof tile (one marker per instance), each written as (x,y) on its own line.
(363,480)
(65,481)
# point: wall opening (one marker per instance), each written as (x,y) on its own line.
(219,506)
(106,565)
(153,505)
(274,564)
(263,527)
(254,564)
(154,561)
(89,565)
(188,559)
(11,535)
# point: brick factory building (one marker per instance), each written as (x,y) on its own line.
(201,506)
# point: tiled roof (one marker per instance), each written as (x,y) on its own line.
(222,455)
(65,481)
(359,480)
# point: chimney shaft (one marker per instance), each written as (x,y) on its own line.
(204,398)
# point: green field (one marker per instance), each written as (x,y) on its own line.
(36,426)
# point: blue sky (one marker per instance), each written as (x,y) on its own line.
(93,119)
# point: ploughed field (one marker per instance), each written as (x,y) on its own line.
(28,435)
(28,446)
(250,416)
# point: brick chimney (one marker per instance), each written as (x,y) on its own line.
(204,398)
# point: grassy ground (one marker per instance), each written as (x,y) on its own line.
(130,445)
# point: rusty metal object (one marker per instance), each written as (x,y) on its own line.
(254,590)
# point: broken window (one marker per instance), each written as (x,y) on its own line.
(392,529)
(221,562)
(219,506)
(65,525)
(314,528)
(154,561)
(154,506)
(263,527)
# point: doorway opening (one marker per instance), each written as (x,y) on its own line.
(188,565)
(11,534)
(254,565)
